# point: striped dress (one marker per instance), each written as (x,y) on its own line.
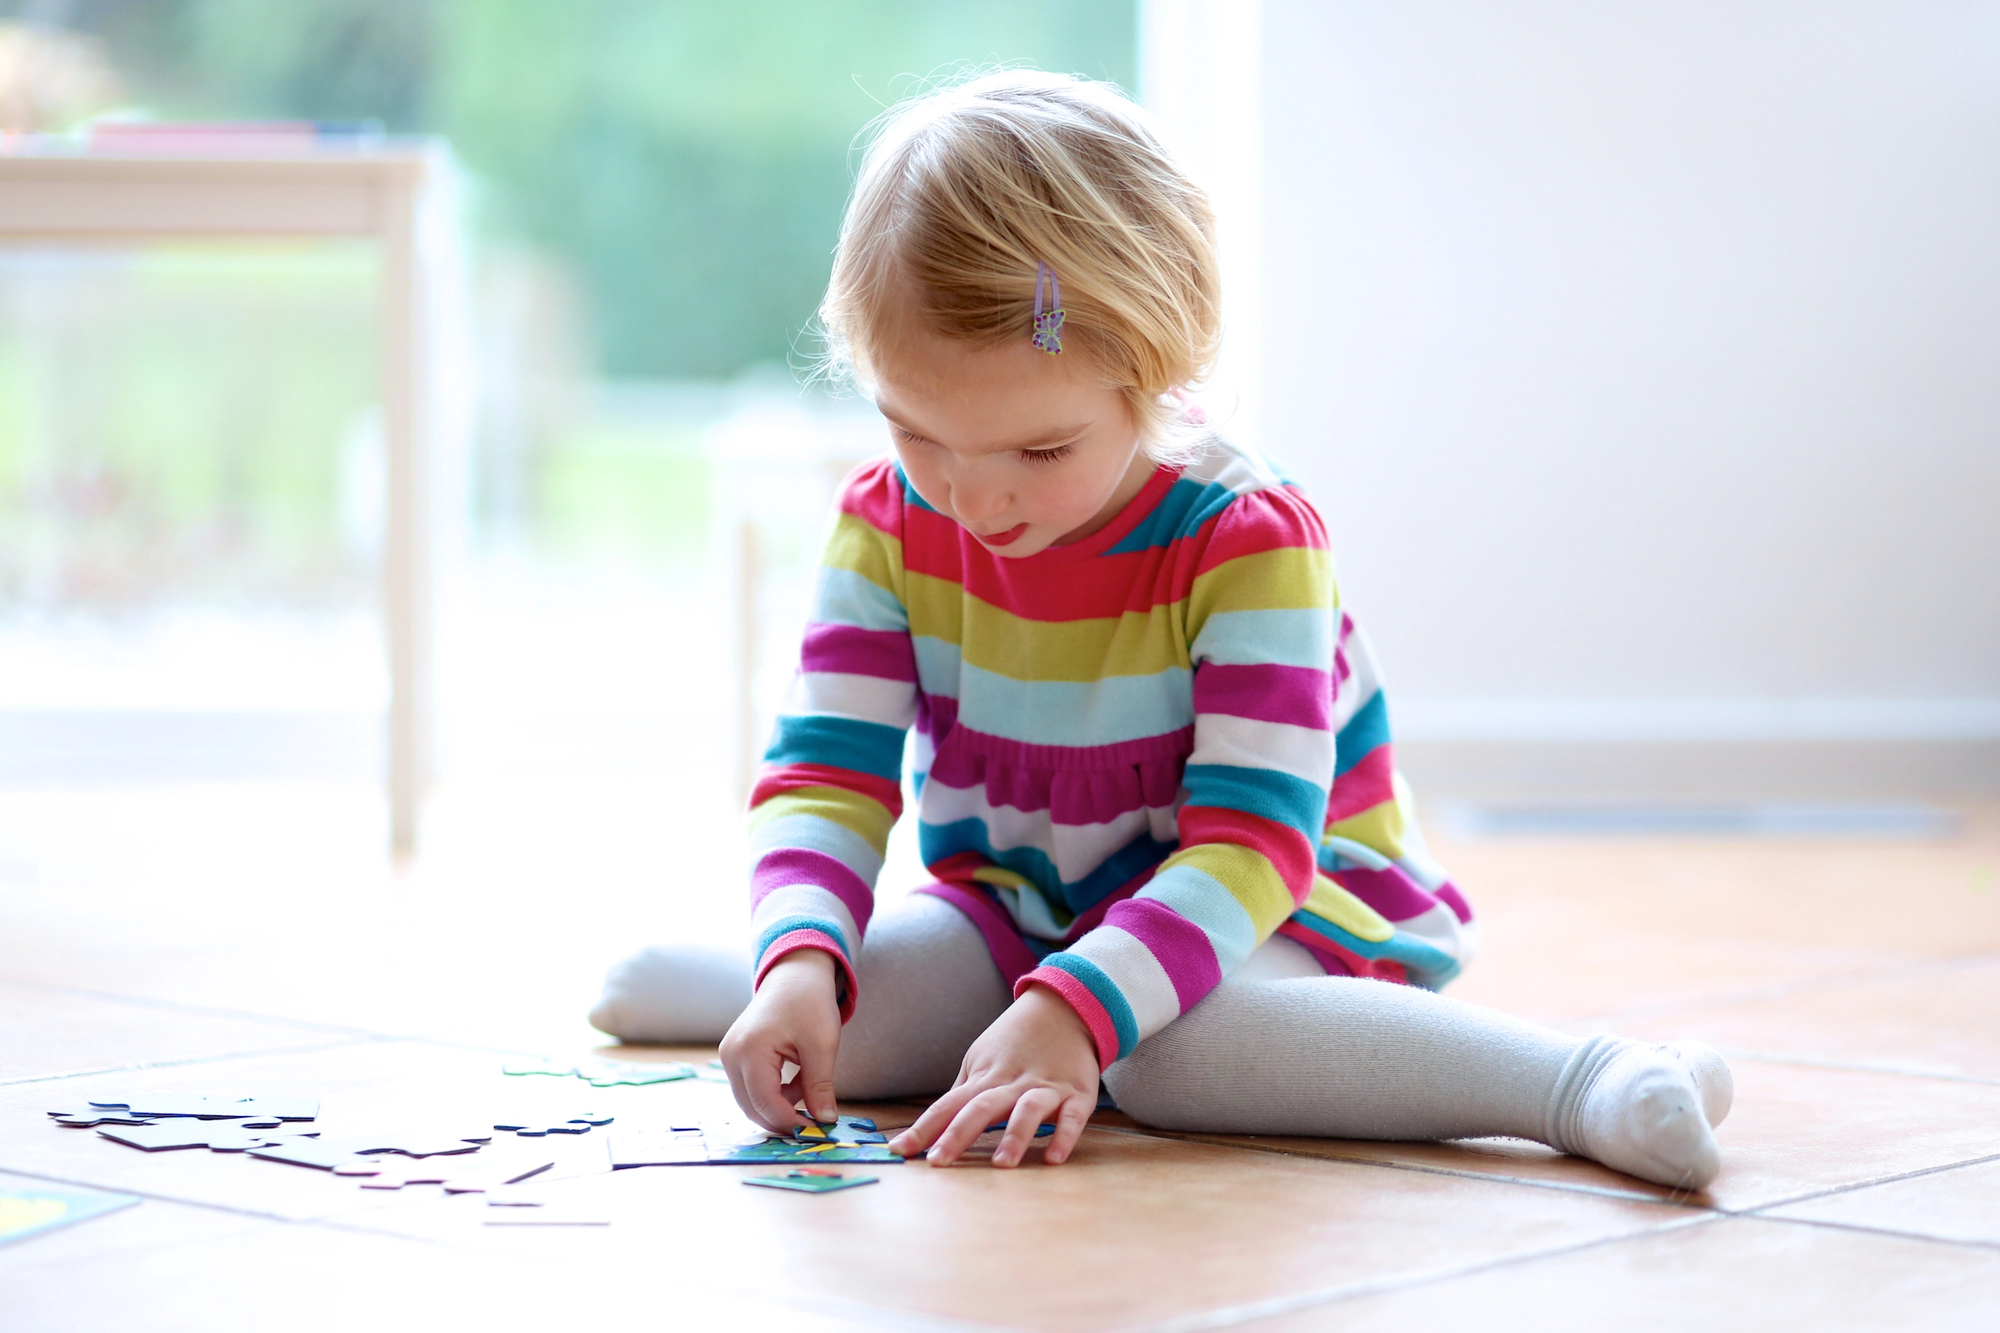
(1137,756)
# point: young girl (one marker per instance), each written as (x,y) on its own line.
(1153,770)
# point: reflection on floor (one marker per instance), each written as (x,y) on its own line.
(210,938)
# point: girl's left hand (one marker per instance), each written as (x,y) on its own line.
(1037,1063)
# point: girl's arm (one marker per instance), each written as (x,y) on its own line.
(829,791)
(1261,615)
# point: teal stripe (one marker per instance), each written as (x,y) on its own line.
(910,496)
(1430,966)
(1368,728)
(1264,792)
(1077,713)
(846,598)
(1300,637)
(839,742)
(1181,511)
(785,925)
(1107,993)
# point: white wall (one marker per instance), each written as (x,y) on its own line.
(1644,357)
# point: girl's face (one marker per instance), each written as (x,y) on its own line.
(1022,449)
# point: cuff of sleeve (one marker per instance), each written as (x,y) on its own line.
(844,987)
(1103,1032)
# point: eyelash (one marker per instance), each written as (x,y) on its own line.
(1055,455)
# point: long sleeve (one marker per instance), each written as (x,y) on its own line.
(830,789)
(1260,615)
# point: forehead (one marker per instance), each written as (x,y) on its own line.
(984,398)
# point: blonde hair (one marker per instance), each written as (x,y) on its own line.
(965,191)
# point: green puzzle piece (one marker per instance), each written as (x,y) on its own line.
(805,1184)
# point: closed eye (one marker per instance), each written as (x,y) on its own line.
(1054,455)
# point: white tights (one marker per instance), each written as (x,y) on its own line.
(1277,1048)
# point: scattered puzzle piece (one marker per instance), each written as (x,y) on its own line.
(190,1133)
(1042,1131)
(806,1180)
(91,1116)
(604,1073)
(534,1127)
(163,1104)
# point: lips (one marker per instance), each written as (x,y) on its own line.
(1007,538)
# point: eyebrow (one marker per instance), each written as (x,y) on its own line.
(1043,440)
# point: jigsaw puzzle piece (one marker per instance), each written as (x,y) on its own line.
(171,1104)
(610,1075)
(90,1116)
(807,1180)
(188,1133)
(535,1127)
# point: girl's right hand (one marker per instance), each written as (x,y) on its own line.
(795,1017)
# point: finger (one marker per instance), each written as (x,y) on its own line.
(1075,1114)
(931,1123)
(1034,1107)
(763,1095)
(815,1077)
(970,1122)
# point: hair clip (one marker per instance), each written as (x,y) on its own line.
(1048,328)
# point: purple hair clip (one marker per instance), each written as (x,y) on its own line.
(1048,328)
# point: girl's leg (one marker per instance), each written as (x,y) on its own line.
(928,989)
(1280,1048)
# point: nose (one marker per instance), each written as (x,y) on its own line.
(978,501)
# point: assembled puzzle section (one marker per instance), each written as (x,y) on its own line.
(850,1139)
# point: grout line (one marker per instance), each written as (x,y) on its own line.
(1855,1067)
(1864,1229)
(189,1060)
(1673,1199)
(1917,1174)
(1238,1315)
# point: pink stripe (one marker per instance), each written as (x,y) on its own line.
(1182,947)
(1448,894)
(1075,784)
(1368,784)
(1301,696)
(872,494)
(1102,1030)
(848,651)
(845,988)
(1014,959)
(1330,961)
(1390,892)
(786,866)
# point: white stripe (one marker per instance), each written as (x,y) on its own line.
(1234,465)
(807,900)
(1201,898)
(1076,849)
(1362,684)
(816,834)
(1303,752)
(1438,927)
(1137,974)
(893,703)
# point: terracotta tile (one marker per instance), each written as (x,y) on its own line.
(46,1032)
(1962,1204)
(1134,1229)
(1731,1274)
(1941,1018)
(1794,1130)
(1582,928)
(263,1275)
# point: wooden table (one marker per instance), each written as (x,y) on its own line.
(395,192)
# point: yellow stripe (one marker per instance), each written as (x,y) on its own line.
(934,604)
(1138,643)
(1290,578)
(866,550)
(1251,879)
(1383,827)
(862,815)
(1329,902)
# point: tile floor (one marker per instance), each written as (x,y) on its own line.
(202,938)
